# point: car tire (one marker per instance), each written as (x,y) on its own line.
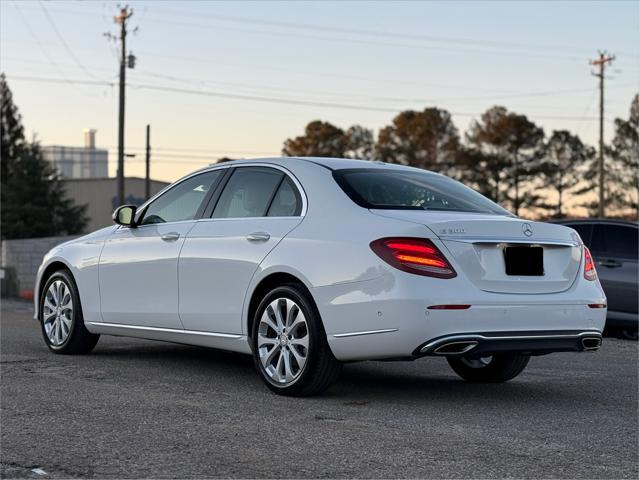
(60,316)
(491,369)
(290,350)
(628,333)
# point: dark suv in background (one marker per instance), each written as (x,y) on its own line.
(614,246)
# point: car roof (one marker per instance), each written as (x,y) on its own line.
(332,163)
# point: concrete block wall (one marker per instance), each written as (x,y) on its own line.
(25,256)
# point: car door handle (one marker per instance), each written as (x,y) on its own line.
(258,237)
(610,263)
(170,237)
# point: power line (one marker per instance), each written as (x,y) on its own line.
(586,112)
(39,44)
(281,100)
(341,40)
(490,44)
(544,93)
(354,31)
(63,41)
(401,80)
(495,97)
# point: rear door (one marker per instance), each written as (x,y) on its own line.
(256,208)
(614,248)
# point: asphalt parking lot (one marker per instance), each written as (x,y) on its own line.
(140,409)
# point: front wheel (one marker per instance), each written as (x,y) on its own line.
(61,317)
(290,350)
(489,369)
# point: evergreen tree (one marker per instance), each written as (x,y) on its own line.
(507,148)
(565,155)
(625,151)
(33,199)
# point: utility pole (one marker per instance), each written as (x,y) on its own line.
(601,63)
(121,19)
(147,178)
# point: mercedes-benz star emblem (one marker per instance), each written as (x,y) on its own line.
(527,229)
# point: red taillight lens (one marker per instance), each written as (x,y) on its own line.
(590,272)
(414,255)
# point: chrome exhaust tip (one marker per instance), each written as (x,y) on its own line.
(455,348)
(590,344)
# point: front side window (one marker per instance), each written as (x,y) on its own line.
(412,190)
(182,201)
(248,193)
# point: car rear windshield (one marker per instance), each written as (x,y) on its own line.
(411,190)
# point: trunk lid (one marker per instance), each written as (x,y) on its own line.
(476,244)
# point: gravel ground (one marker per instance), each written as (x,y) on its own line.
(140,409)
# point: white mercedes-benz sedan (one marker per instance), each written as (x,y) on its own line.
(307,263)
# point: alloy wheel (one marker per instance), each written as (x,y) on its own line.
(283,341)
(57,312)
(480,362)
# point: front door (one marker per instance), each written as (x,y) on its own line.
(256,209)
(138,266)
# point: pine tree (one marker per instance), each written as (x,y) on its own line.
(565,156)
(625,151)
(508,149)
(33,199)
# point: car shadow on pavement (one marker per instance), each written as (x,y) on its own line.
(174,355)
(358,384)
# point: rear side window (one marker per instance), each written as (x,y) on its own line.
(287,201)
(411,190)
(248,193)
(616,241)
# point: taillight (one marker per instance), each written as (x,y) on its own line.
(414,255)
(590,272)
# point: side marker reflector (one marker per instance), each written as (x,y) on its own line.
(449,307)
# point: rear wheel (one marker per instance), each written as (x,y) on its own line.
(489,369)
(61,316)
(290,350)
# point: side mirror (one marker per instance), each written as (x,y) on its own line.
(125,215)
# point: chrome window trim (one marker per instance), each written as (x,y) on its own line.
(285,171)
(166,190)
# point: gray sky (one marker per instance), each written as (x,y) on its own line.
(236,79)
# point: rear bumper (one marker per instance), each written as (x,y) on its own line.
(527,343)
(390,317)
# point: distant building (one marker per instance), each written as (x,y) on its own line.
(100,196)
(79,162)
